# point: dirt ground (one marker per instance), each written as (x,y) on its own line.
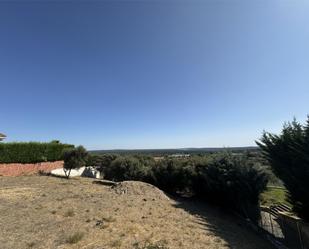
(49,212)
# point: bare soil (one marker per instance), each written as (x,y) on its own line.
(49,212)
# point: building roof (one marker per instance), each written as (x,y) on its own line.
(2,135)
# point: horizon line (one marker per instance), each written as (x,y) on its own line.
(183,148)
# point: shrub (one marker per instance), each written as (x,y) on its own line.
(172,175)
(74,158)
(101,162)
(31,152)
(288,155)
(231,182)
(127,168)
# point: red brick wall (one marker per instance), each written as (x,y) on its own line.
(17,169)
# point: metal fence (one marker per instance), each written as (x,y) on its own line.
(286,230)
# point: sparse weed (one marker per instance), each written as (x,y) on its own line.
(31,244)
(109,219)
(69,213)
(74,238)
(148,245)
(116,243)
(39,207)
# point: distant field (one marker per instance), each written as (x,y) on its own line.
(48,212)
(159,152)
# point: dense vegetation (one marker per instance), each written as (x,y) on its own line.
(102,162)
(32,152)
(230,181)
(288,155)
(129,168)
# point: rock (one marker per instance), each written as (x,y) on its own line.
(139,189)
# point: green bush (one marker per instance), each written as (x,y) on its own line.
(101,162)
(288,155)
(172,175)
(31,152)
(231,182)
(127,168)
(74,158)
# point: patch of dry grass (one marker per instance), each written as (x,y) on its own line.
(149,245)
(69,213)
(40,212)
(74,238)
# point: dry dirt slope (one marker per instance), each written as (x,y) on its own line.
(47,212)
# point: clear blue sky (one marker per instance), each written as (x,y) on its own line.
(152,74)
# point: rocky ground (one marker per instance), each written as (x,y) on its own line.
(49,212)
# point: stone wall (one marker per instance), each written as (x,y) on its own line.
(17,169)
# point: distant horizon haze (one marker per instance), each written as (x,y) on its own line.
(202,149)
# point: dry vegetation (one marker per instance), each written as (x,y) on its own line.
(47,212)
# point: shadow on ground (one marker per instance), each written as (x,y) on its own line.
(224,225)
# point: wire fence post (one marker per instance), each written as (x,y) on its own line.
(271,224)
(299,235)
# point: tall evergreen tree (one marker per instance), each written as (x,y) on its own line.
(288,155)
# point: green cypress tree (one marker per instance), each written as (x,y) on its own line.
(288,155)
